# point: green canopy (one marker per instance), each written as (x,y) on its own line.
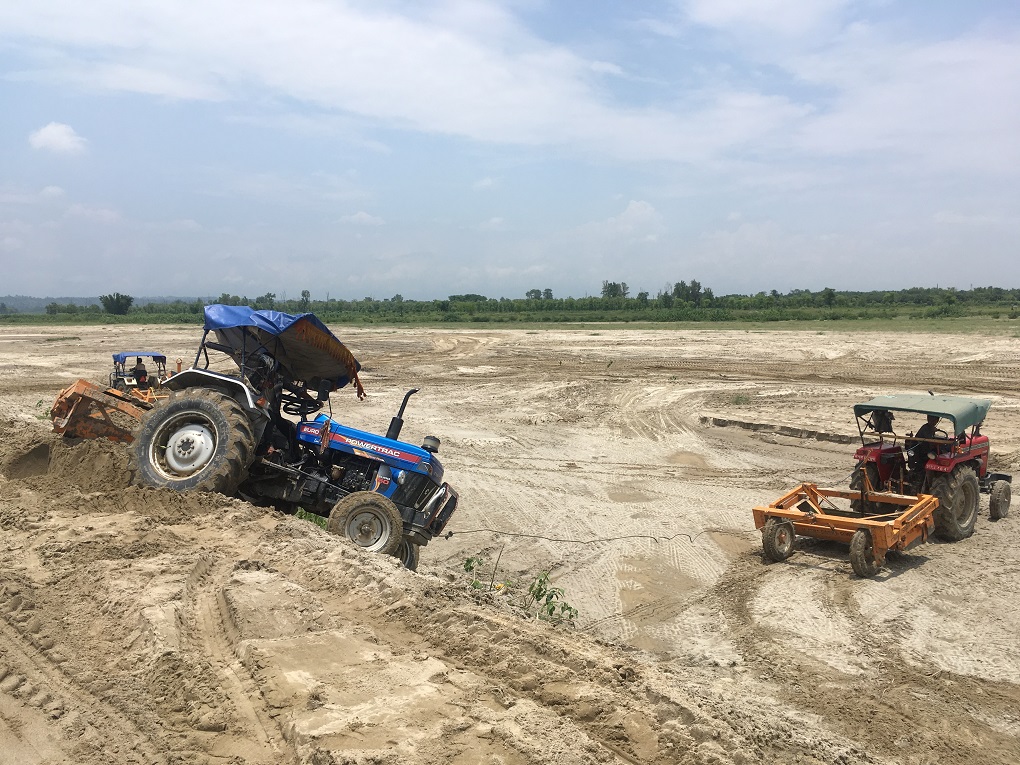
(963,412)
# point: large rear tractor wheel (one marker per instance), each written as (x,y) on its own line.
(777,539)
(998,500)
(197,440)
(408,554)
(369,520)
(957,493)
(862,556)
(865,507)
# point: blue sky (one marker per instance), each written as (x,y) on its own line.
(357,148)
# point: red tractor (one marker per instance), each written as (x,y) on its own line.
(947,456)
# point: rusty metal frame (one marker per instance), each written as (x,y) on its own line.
(808,508)
(83,409)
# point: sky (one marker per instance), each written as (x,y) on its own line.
(369,148)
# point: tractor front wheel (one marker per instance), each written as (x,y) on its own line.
(369,520)
(198,440)
(777,539)
(957,493)
(408,553)
(998,500)
(862,555)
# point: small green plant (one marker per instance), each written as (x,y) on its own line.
(547,601)
(470,566)
(541,600)
(318,520)
(741,399)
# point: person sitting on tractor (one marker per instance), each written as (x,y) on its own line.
(917,447)
(140,374)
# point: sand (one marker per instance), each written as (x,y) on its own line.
(144,626)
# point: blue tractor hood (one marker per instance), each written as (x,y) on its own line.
(301,343)
(396,454)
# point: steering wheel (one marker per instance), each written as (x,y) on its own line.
(939,433)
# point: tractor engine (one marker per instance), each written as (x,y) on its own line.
(316,482)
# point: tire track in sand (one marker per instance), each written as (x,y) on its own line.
(913,715)
(88,726)
(257,737)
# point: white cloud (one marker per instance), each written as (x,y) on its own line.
(606,67)
(293,190)
(961,219)
(57,137)
(955,105)
(184,224)
(142,79)
(19,196)
(95,214)
(639,223)
(368,61)
(493,224)
(11,244)
(483,183)
(785,17)
(362,218)
(639,217)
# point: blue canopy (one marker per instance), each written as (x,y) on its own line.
(123,356)
(301,343)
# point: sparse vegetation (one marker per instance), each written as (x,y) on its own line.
(318,520)
(540,600)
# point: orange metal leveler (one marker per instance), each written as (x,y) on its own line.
(809,511)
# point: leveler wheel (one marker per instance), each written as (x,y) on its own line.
(862,556)
(998,501)
(369,520)
(777,539)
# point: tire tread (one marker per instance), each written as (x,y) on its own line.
(949,488)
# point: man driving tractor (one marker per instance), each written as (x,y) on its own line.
(140,373)
(916,448)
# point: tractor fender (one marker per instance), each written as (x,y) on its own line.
(203,378)
(986,481)
(231,386)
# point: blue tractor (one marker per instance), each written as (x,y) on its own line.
(258,433)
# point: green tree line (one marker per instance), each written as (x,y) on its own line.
(679,301)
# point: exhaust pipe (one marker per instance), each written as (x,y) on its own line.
(397,422)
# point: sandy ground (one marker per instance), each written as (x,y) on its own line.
(141,626)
